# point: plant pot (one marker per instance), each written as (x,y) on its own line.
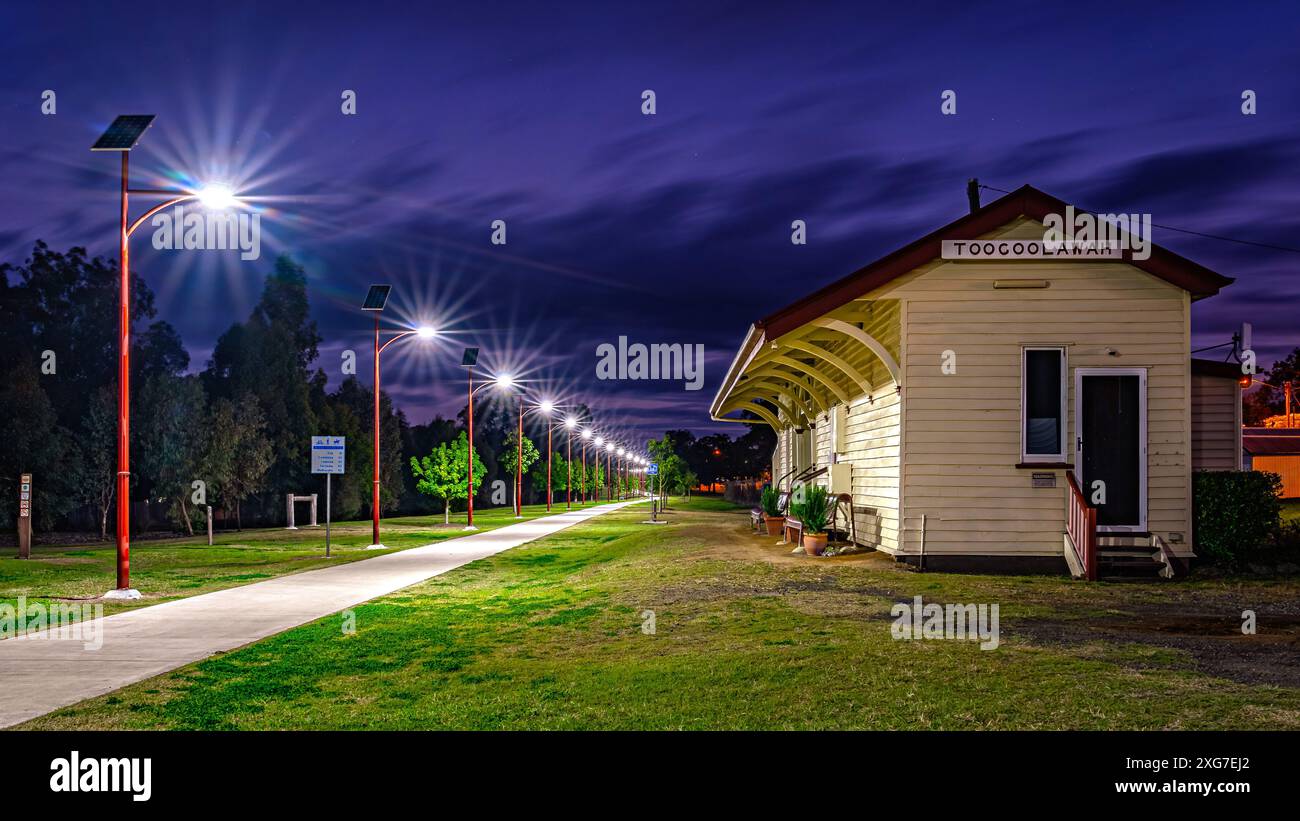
(774,524)
(814,544)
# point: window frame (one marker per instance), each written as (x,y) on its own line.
(1045,458)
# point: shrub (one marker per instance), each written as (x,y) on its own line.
(1234,512)
(770,501)
(815,511)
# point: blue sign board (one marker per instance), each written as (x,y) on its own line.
(652,469)
(327,454)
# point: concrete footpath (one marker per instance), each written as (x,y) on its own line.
(39,674)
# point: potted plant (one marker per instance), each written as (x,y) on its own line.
(815,513)
(770,502)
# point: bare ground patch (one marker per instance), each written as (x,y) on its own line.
(1200,625)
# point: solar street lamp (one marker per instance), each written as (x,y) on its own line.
(586,437)
(122,135)
(468,360)
(621,468)
(376,299)
(569,423)
(545,407)
(609,466)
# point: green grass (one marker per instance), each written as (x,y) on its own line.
(1291,511)
(550,636)
(705,503)
(165,569)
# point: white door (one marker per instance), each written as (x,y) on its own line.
(1110,445)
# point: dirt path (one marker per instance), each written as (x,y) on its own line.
(1202,625)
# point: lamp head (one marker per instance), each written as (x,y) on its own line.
(216,196)
(505,381)
(546,406)
(570,423)
(609,446)
(425,332)
(586,433)
(600,441)
(619,451)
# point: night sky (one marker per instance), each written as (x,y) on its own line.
(669,228)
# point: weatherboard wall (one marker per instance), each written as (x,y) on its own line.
(961,432)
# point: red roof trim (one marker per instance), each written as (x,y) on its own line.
(1025,201)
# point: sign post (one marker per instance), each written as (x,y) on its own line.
(25,516)
(327,457)
(652,470)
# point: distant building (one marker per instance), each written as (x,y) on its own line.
(1274,450)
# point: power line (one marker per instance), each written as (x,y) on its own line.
(1193,233)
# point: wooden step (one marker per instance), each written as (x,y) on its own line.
(1128,563)
(1136,553)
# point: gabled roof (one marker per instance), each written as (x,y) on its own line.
(1025,201)
(1210,367)
(1271,441)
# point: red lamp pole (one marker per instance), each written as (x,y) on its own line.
(470,488)
(374,498)
(519,461)
(549,428)
(585,480)
(568,474)
(124,402)
(123,485)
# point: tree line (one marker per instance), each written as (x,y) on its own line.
(241,425)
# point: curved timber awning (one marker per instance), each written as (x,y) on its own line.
(827,361)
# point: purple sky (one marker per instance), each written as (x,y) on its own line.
(671,228)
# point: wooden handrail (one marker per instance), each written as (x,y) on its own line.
(1081,525)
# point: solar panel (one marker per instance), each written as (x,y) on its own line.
(376,298)
(470,358)
(124,133)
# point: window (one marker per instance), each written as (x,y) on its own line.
(1042,405)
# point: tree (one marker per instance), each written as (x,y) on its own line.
(268,356)
(444,473)
(351,491)
(62,303)
(1269,399)
(97,473)
(358,400)
(595,479)
(559,476)
(238,452)
(510,452)
(417,440)
(674,472)
(34,443)
(61,350)
(167,447)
